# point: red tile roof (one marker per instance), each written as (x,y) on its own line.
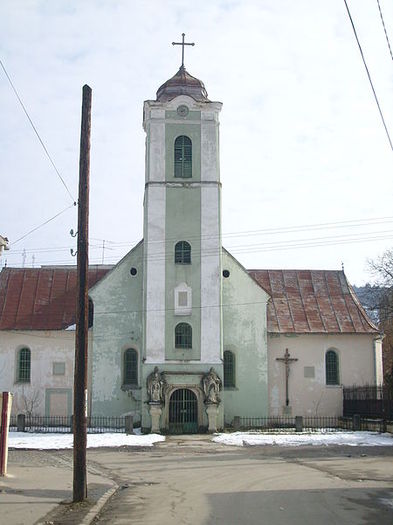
(312,301)
(40,298)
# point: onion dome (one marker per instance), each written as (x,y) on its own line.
(182,84)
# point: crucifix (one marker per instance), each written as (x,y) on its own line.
(182,44)
(286,360)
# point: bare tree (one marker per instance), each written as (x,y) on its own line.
(30,402)
(382,269)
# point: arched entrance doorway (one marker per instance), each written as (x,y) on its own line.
(183,412)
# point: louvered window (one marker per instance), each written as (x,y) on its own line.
(229,369)
(24,365)
(183,157)
(183,252)
(331,367)
(130,367)
(183,336)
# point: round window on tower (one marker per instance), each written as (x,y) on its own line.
(226,273)
(182,111)
(133,271)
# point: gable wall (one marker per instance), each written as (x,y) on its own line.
(358,364)
(46,347)
(117,326)
(244,322)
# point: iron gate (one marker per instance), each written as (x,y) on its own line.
(183,412)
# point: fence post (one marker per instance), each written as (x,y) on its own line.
(6,402)
(236,423)
(356,422)
(299,423)
(21,423)
(129,424)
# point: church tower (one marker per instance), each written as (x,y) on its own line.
(180,331)
(182,237)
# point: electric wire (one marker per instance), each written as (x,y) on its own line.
(36,132)
(267,231)
(384,28)
(355,223)
(369,76)
(44,223)
(238,250)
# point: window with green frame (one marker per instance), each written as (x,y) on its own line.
(24,365)
(331,368)
(130,369)
(183,157)
(183,252)
(183,335)
(229,369)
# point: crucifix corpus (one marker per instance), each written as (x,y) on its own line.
(182,44)
(286,360)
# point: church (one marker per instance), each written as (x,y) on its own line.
(182,336)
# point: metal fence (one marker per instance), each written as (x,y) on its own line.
(308,424)
(59,424)
(368,401)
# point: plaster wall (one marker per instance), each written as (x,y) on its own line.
(310,395)
(244,322)
(118,309)
(183,222)
(154,264)
(46,347)
(155,146)
(211,312)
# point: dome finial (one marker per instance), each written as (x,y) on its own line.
(182,44)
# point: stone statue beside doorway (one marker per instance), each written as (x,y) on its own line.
(211,387)
(155,386)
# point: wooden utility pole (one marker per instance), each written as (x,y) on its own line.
(82,306)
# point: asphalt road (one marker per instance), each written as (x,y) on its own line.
(189,480)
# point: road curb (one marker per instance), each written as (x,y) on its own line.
(98,506)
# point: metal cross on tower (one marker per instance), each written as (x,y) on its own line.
(286,360)
(182,44)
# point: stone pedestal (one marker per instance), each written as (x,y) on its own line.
(212,411)
(155,414)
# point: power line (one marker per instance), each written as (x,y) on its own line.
(267,231)
(36,132)
(384,28)
(369,76)
(320,242)
(43,224)
(354,223)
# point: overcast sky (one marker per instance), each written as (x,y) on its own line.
(302,142)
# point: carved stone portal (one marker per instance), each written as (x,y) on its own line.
(211,387)
(155,386)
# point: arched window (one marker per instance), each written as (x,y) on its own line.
(130,368)
(183,157)
(229,369)
(24,365)
(183,252)
(331,368)
(183,336)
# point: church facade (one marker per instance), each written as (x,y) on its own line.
(180,306)
(182,336)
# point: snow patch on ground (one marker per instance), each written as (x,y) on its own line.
(353,439)
(59,441)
